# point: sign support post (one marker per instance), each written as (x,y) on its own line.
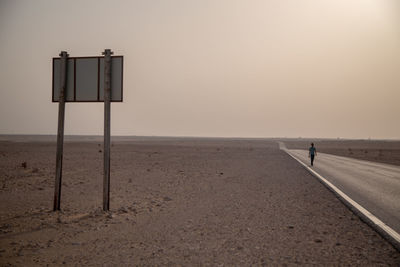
(86,79)
(60,132)
(107,110)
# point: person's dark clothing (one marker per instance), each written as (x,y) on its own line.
(312,151)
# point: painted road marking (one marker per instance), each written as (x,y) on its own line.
(380,226)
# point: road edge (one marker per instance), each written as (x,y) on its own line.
(380,227)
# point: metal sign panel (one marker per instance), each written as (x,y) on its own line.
(85,79)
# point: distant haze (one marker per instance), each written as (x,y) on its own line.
(249,68)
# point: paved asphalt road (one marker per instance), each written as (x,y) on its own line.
(375,186)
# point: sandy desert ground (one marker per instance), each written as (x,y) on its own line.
(176,202)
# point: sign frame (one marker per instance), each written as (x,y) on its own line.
(73,60)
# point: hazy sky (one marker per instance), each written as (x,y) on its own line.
(249,68)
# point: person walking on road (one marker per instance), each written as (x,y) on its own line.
(312,152)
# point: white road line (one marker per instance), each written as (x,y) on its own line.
(378,223)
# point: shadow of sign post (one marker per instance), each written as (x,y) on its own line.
(86,79)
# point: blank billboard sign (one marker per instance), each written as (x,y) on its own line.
(85,79)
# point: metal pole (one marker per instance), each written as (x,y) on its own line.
(60,132)
(107,110)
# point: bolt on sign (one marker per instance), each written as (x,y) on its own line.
(86,79)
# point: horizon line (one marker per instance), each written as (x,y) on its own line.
(200,137)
